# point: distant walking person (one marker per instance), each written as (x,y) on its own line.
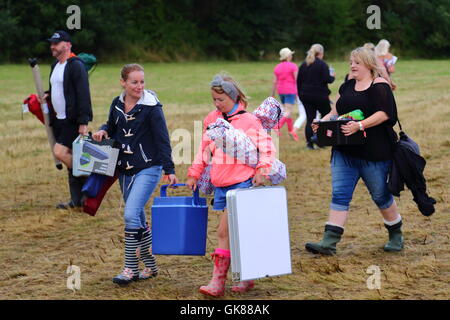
(284,82)
(71,101)
(312,85)
(386,61)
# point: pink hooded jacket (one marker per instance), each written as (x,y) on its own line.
(225,170)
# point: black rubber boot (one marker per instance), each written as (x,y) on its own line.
(395,242)
(76,196)
(75,186)
(327,246)
(67,205)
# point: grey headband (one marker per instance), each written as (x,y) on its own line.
(227,86)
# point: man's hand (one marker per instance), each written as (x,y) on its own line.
(83,129)
(43,99)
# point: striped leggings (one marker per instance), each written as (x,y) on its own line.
(139,241)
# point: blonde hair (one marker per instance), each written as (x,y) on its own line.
(313,52)
(241,95)
(382,48)
(368,58)
(369,45)
(128,68)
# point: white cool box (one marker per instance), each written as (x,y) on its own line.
(259,233)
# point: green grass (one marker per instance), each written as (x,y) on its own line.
(38,242)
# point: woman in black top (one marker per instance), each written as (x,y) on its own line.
(370,161)
(312,87)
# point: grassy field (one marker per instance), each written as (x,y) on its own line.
(38,242)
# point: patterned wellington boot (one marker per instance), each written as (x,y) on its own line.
(144,253)
(130,272)
(243,286)
(126,277)
(327,246)
(216,287)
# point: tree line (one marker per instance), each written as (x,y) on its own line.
(183,30)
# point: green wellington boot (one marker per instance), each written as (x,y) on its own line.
(327,246)
(395,242)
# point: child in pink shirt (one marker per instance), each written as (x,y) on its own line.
(285,83)
(228,173)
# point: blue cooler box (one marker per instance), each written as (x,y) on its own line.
(179,224)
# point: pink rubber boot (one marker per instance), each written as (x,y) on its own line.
(281,122)
(216,287)
(243,286)
(291,130)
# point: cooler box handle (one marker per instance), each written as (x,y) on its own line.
(196,195)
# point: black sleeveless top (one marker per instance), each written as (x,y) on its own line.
(379,140)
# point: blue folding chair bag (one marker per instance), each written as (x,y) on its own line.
(179,224)
(93,185)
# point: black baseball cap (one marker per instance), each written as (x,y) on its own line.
(59,36)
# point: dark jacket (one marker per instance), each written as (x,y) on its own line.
(313,80)
(407,168)
(76,91)
(141,134)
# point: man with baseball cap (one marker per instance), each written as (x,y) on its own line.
(59,36)
(70,97)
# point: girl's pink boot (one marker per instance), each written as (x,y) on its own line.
(243,286)
(216,287)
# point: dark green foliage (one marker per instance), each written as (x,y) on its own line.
(164,30)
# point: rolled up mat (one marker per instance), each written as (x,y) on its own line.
(91,205)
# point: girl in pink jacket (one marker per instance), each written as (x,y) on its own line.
(228,173)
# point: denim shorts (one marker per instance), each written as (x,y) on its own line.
(288,98)
(220,193)
(345,173)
